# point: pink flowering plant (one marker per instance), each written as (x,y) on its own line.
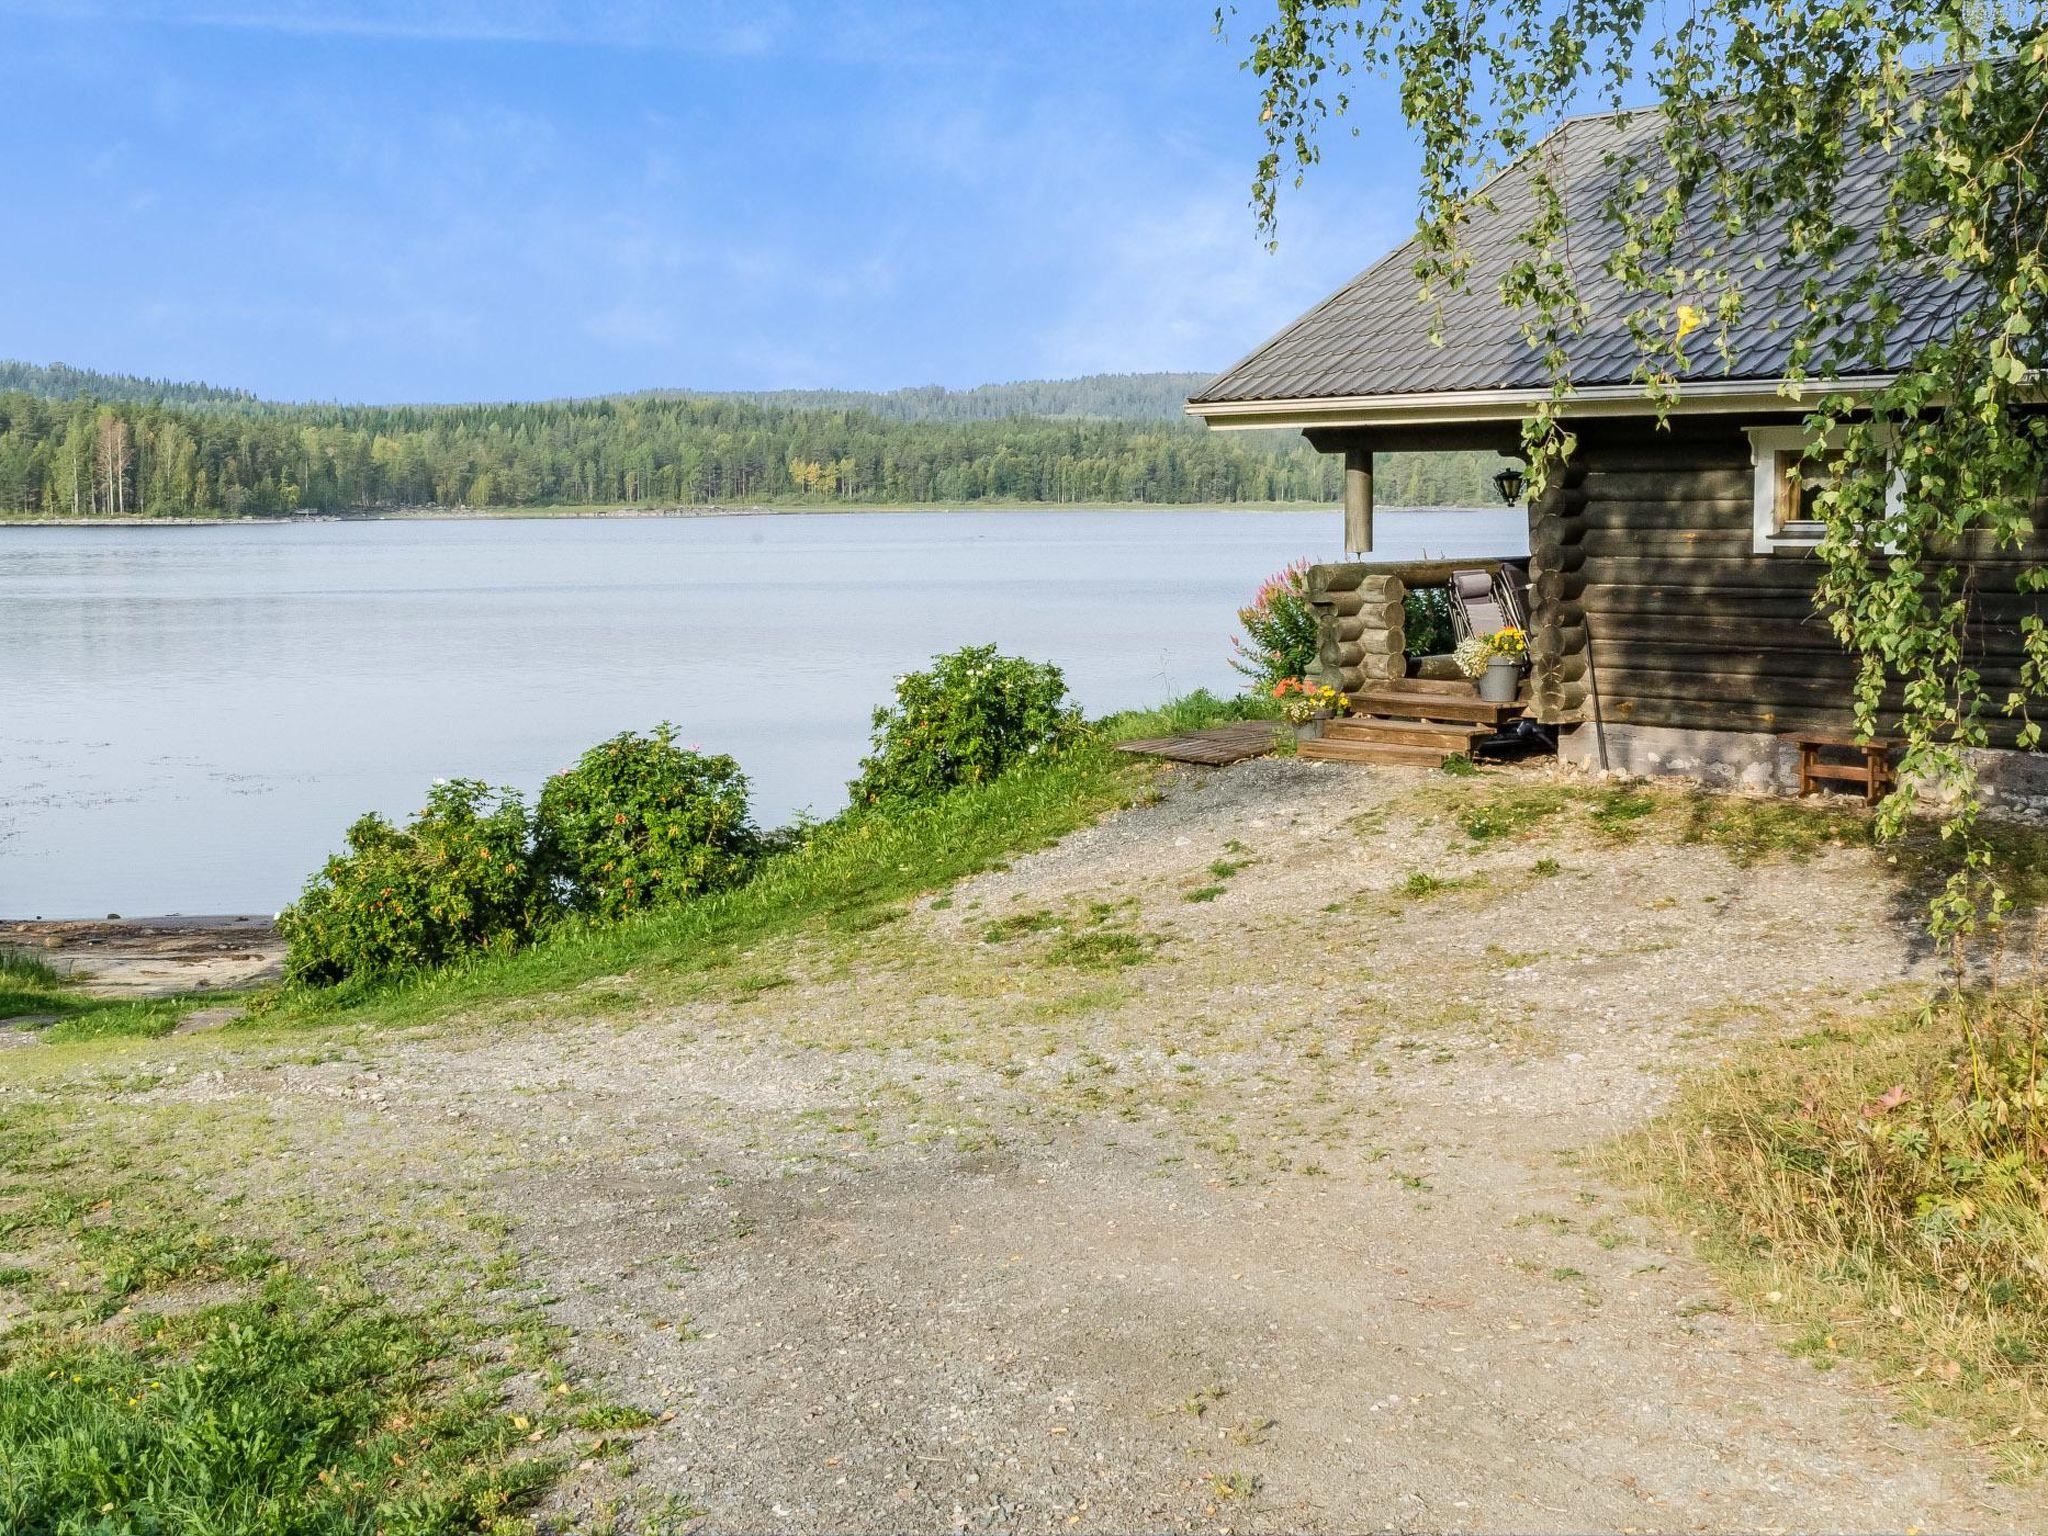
(1279,640)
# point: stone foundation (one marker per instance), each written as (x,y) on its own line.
(1727,759)
(2014,783)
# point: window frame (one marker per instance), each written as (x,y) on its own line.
(1767,534)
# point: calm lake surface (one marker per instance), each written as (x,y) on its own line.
(190,717)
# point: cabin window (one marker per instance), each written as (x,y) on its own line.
(1788,486)
(1789,483)
(1800,482)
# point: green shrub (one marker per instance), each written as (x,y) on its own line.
(1426,621)
(963,721)
(1279,639)
(460,878)
(640,821)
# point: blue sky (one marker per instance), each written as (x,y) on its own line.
(489,199)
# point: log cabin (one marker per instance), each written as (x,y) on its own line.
(1670,577)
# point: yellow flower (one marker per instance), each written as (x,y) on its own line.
(1690,319)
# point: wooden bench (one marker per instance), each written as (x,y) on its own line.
(1874,772)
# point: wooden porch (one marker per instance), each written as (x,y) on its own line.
(1414,720)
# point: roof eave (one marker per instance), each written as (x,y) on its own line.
(1453,407)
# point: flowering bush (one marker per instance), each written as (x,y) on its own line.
(1301,701)
(971,715)
(1279,640)
(459,877)
(640,821)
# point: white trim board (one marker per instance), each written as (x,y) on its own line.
(1450,407)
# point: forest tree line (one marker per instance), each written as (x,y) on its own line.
(87,456)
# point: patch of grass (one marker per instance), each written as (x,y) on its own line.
(108,1020)
(1421,885)
(1508,815)
(1546,867)
(1102,949)
(1232,1485)
(1369,824)
(30,988)
(1198,1402)
(1204,893)
(168,1375)
(300,1407)
(1190,712)
(1750,829)
(1459,765)
(19,967)
(1881,1189)
(1616,811)
(614,1418)
(1017,925)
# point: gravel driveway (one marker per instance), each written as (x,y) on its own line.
(1229,1165)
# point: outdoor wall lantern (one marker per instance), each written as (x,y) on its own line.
(1509,483)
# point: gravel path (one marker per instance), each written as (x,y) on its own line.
(1285,1224)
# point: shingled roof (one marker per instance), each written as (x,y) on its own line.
(1370,341)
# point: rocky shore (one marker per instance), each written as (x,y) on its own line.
(154,956)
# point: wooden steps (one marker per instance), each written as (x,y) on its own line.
(1406,733)
(1413,721)
(1431,701)
(1327,750)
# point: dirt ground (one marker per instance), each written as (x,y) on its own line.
(1125,1188)
(153,957)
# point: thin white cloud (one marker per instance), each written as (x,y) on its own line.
(1187,284)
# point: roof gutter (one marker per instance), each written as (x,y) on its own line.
(1459,406)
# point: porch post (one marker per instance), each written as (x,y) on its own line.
(1358,501)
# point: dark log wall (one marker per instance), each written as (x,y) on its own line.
(1650,608)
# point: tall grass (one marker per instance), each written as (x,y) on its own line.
(1884,1189)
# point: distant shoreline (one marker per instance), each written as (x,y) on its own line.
(601,512)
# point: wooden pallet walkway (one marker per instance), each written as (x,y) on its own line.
(1215,745)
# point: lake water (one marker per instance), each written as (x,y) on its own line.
(190,716)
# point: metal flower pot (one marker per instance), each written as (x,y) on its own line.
(1501,681)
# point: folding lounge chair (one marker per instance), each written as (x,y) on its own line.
(1482,603)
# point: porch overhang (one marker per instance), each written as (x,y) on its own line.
(1472,407)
